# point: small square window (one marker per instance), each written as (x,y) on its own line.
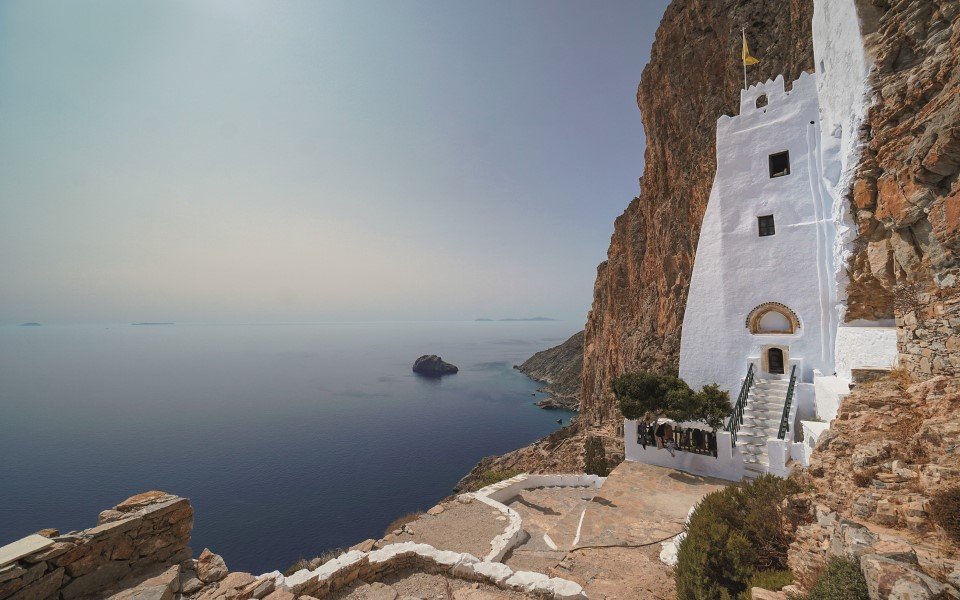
(779,164)
(765,225)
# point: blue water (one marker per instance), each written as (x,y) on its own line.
(288,439)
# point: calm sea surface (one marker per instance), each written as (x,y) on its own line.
(288,439)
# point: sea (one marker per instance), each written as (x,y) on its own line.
(289,439)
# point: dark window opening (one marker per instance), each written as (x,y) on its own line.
(779,164)
(761,100)
(775,361)
(765,225)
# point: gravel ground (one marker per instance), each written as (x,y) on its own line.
(408,585)
(460,528)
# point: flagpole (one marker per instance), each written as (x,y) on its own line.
(743,35)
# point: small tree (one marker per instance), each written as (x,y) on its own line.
(711,405)
(643,396)
(595,457)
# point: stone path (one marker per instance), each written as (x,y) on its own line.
(459,527)
(642,504)
(550,520)
(615,556)
(408,585)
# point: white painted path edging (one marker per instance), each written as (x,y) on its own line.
(350,566)
(496,494)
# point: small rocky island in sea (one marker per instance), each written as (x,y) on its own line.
(431,365)
(30,324)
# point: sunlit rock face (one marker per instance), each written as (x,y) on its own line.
(905,192)
(694,76)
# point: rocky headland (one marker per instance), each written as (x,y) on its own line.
(560,369)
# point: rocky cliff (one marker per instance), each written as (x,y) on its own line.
(872,477)
(906,193)
(694,76)
(560,369)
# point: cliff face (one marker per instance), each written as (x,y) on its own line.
(694,76)
(560,368)
(872,478)
(906,193)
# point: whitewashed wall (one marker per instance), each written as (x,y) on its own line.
(859,347)
(842,67)
(736,269)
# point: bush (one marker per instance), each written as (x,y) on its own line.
(841,580)
(645,396)
(945,511)
(491,477)
(734,534)
(772,579)
(401,521)
(595,458)
(711,405)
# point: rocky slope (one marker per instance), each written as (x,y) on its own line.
(906,193)
(560,369)
(694,76)
(872,476)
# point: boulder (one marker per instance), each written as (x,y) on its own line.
(210,567)
(431,365)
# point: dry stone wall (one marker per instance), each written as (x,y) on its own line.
(139,534)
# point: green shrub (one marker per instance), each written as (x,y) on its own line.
(645,396)
(734,534)
(595,458)
(771,579)
(945,511)
(841,580)
(491,477)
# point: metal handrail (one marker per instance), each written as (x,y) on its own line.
(784,420)
(736,417)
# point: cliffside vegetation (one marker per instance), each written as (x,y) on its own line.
(647,396)
(739,537)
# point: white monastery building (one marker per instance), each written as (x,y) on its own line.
(766,297)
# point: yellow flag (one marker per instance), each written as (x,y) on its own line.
(747,59)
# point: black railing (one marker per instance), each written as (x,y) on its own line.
(689,439)
(736,418)
(785,419)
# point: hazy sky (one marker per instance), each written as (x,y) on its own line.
(290,161)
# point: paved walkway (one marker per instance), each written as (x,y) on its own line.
(550,519)
(414,585)
(607,540)
(641,504)
(460,528)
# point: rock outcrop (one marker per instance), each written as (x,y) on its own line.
(871,479)
(431,365)
(905,195)
(560,368)
(133,540)
(694,76)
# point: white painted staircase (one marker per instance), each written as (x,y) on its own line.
(761,420)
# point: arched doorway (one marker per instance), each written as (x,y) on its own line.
(775,361)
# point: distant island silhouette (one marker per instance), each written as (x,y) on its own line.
(519,319)
(29,324)
(149,323)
